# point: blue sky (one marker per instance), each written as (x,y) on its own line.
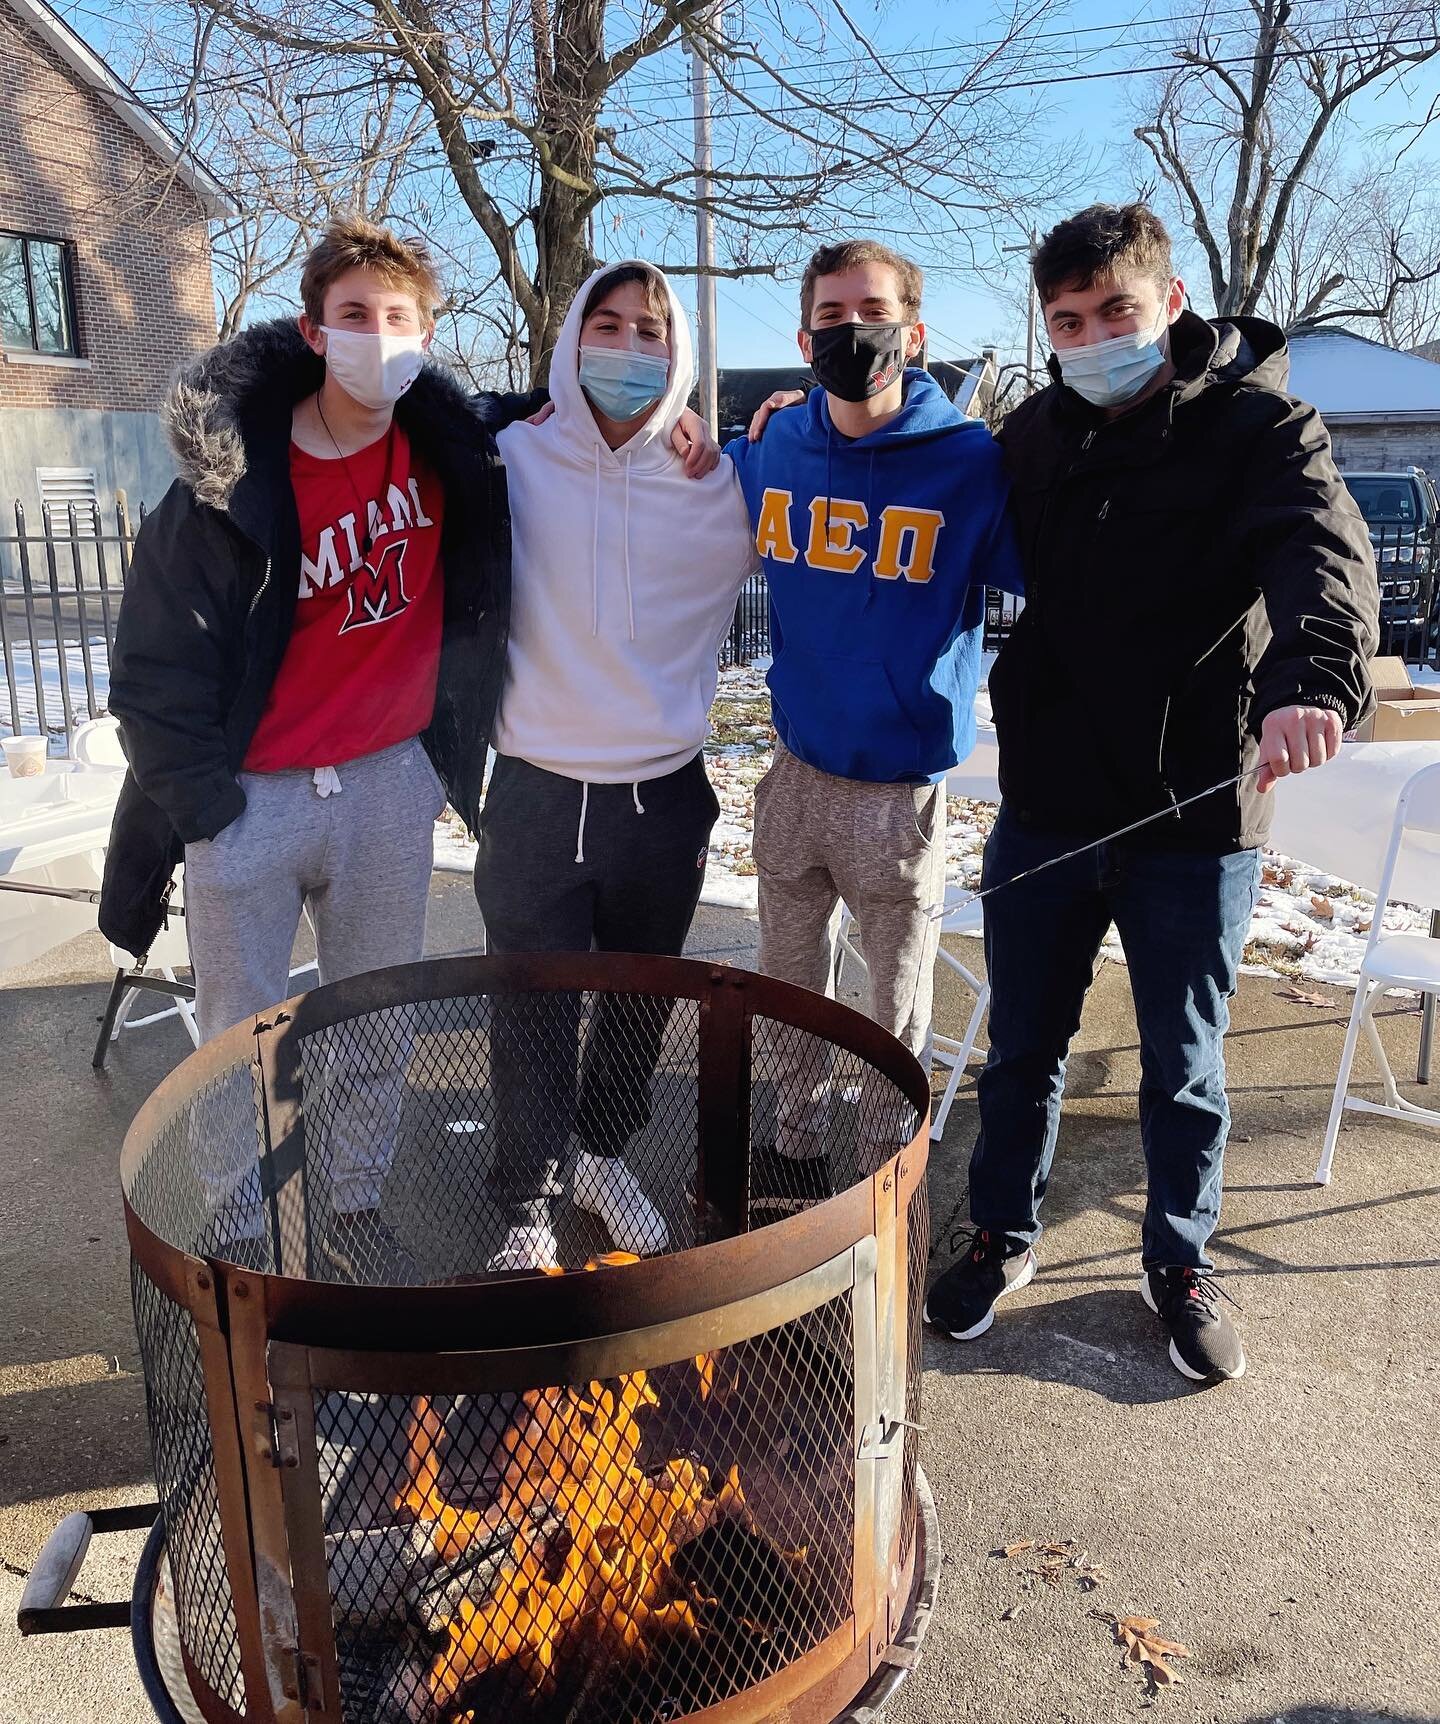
(1089,120)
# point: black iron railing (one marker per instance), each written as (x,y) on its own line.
(61,580)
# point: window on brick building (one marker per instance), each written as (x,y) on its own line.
(37,301)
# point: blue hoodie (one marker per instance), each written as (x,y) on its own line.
(876,636)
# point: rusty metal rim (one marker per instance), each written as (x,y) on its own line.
(501,1369)
(555,1309)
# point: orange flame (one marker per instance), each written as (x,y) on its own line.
(572,1452)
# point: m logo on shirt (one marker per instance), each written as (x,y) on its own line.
(376,593)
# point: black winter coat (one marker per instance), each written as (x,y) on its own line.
(210,601)
(1190,566)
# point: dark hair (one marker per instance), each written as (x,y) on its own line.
(850,254)
(1101,242)
(656,296)
(352,242)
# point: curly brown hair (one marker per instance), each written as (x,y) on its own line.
(1097,244)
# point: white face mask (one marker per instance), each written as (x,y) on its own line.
(1111,372)
(375,369)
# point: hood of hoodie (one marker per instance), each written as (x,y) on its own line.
(574,423)
(1225,350)
(226,411)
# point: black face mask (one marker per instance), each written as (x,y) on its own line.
(854,361)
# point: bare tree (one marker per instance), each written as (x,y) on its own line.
(550,130)
(1237,130)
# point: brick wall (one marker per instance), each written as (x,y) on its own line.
(69,168)
(1388,448)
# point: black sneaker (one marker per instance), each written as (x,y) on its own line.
(360,1248)
(962,1302)
(782,1185)
(1204,1343)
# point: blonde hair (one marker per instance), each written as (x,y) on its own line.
(352,242)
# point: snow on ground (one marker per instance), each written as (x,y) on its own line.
(1308,926)
(50,687)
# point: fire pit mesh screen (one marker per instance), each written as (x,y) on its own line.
(618,1552)
(832,1114)
(457,1118)
(185,1477)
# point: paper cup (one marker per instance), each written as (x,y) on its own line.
(24,755)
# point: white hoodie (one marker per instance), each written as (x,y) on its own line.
(625,579)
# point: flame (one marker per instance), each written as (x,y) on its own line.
(573,1452)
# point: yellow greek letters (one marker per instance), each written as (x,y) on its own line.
(772,532)
(833,550)
(907,543)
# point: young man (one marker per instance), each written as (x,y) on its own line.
(596,825)
(1201,604)
(880,512)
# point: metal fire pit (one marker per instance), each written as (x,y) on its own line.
(682,1487)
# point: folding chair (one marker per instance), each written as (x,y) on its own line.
(960,918)
(1394,960)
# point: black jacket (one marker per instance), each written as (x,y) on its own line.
(1189,567)
(210,601)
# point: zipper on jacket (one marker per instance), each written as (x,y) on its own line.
(259,592)
(1104,510)
(1160,752)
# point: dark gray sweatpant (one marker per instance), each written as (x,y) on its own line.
(567,867)
(359,863)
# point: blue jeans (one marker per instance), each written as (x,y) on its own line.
(1183,920)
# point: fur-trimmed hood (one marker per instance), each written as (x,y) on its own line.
(245,389)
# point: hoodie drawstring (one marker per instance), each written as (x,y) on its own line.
(326,781)
(594,564)
(635,792)
(580,835)
(629,589)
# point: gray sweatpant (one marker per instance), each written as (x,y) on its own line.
(358,862)
(880,847)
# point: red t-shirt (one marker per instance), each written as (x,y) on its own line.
(359,673)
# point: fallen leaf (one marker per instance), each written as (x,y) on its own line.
(1365,926)
(1014,1611)
(1322,907)
(1304,997)
(1018,1549)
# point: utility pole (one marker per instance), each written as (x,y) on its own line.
(706,363)
(1032,308)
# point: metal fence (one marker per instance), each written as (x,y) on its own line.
(61,579)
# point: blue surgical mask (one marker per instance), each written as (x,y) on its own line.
(622,383)
(1109,373)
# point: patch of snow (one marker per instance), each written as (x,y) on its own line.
(51,681)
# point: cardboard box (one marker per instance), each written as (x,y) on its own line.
(1403,713)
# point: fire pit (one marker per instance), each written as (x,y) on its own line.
(397,1487)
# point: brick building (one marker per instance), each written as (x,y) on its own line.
(1382,406)
(104,268)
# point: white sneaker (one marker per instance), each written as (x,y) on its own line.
(608,1189)
(532,1247)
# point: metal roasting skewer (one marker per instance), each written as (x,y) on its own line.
(938,911)
(72,894)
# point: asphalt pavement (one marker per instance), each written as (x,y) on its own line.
(1283,1527)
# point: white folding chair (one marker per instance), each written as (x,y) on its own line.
(97,743)
(960,917)
(1393,960)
